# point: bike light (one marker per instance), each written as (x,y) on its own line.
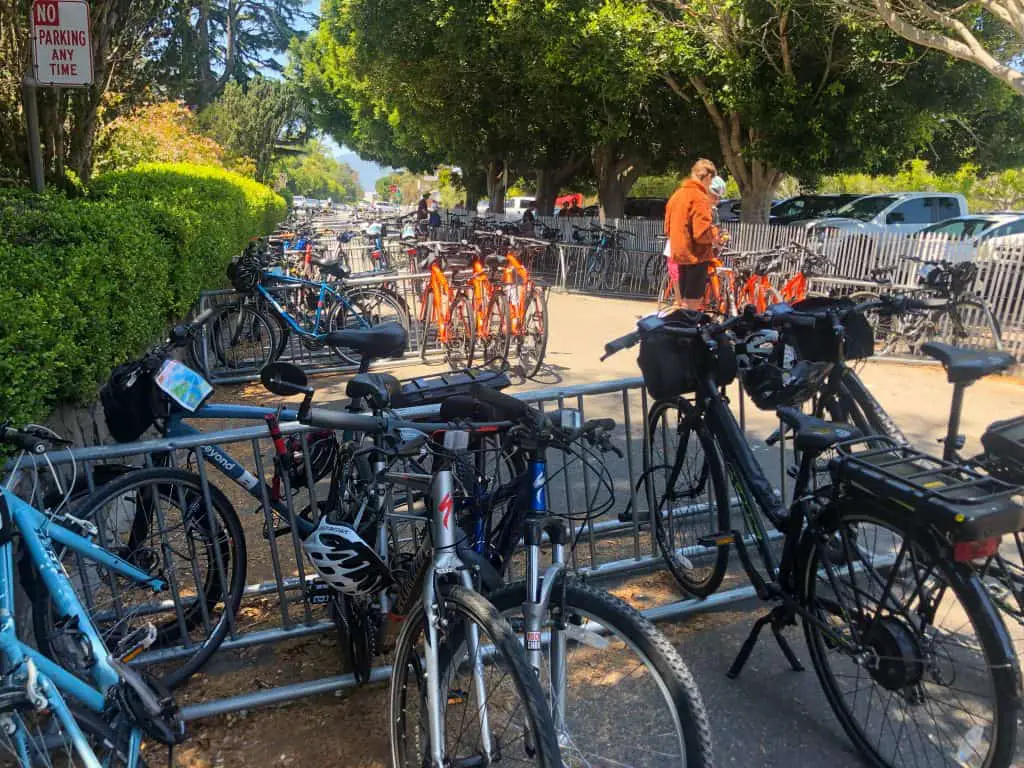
(966,551)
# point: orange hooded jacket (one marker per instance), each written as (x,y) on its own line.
(688,224)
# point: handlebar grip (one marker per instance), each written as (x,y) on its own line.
(605,425)
(506,406)
(327,419)
(621,343)
(23,440)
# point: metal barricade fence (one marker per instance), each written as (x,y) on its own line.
(280,602)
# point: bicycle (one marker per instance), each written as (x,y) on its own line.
(452,639)
(451,312)
(719,292)
(867,562)
(518,308)
(753,286)
(952,313)
(575,634)
(607,265)
(114,706)
(811,264)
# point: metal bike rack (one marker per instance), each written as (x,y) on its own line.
(606,547)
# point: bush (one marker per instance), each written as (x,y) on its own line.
(88,283)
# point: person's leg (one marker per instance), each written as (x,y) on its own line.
(693,280)
(673,278)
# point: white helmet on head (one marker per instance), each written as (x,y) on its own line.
(718,186)
(345,561)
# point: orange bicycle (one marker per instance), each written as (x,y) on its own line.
(719,293)
(451,311)
(518,307)
(812,264)
(756,289)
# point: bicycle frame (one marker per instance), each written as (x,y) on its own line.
(437,295)
(37,532)
(324,291)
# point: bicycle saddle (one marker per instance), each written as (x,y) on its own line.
(495,259)
(965,366)
(331,268)
(384,340)
(815,435)
(376,388)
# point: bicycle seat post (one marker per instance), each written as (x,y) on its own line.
(953,441)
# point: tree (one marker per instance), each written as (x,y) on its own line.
(204,44)
(252,121)
(987,33)
(314,173)
(801,87)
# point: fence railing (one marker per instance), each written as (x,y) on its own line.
(281,588)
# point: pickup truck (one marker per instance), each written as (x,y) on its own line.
(905,212)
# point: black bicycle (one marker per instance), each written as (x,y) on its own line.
(876,563)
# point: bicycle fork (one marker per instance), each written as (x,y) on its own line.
(447,561)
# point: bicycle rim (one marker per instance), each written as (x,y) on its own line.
(520,726)
(48,744)
(460,346)
(497,330)
(533,339)
(686,484)
(907,647)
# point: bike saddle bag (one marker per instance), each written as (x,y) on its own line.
(127,400)
(819,343)
(959,502)
(1004,449)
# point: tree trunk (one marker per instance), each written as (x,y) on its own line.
(616,175)
(757,193)
(207,83)
(547,191)
(83,134)
(475,182)
(496,187)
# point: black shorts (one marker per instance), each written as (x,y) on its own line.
(693,280)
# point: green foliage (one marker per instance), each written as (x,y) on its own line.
(1003,190)
(164,132)
(87,283)
(249,122)
(314,173)
(656,186)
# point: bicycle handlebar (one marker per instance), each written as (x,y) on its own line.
(26,441)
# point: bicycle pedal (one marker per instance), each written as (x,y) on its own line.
(723,539)
(135,642)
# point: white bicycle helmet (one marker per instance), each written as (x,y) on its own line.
(718,186)
(345,561)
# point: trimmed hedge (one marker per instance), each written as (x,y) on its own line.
(87,283)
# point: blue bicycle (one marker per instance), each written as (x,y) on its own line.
(96,712)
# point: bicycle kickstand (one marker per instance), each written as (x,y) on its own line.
(778,617)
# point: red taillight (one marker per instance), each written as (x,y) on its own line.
(966,551)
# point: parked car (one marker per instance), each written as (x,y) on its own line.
(906,212)
(804,207)
(646,207)
(966,233)
(728,210)
(515,207)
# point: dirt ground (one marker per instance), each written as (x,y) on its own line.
(348,728)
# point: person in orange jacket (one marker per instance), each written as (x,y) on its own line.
(692,235)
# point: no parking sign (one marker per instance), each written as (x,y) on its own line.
(61,42)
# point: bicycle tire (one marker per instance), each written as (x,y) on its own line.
(615,271)
(382,305)
(284,331)
(578,604)
(351,316)
(993,336)
(226,329)
(427,303)
(460,346)
(975,604)
(665,297)
(159,484)
(593,270)
(110,746)
(405,695)
(668,423)
(497,327)
(532,341)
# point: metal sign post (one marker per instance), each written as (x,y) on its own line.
(61,57)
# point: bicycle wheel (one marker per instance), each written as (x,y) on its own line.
(238,337)
(615,272)
(47,744)
(532,341)
(496,331)
(426,312)
(908,648)
(157,520)
(685,483)
(1003,576)
(381,306)
(971,323)
(460,346)
(607,640)
(881,325)
(593,270)
(519,722)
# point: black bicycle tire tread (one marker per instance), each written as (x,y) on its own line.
(229,518)
(483,612)
(498,298)
(721,566)
(1005,674)
(653,644)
